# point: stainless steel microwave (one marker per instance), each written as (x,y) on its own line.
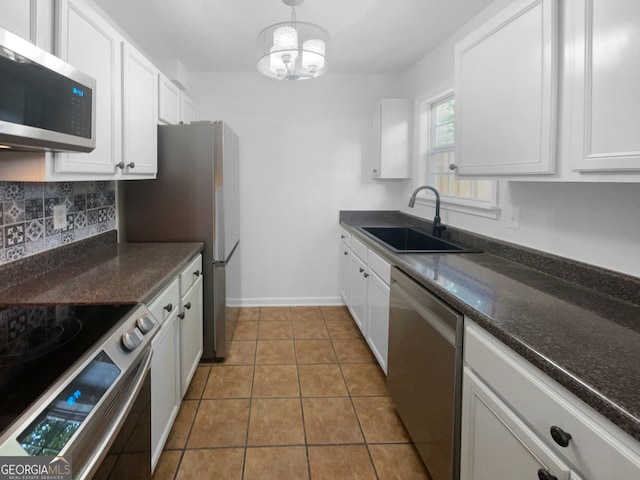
(45,103)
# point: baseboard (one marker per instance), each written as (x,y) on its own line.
(291,302)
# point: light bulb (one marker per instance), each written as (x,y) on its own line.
(313,54)
(285,43)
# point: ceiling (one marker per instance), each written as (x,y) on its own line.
(368,36)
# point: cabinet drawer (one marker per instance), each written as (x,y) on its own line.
(166,302)
(598,449)
(345,237)
(190,274)
(359,248)
(379,266)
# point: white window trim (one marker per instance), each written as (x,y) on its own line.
(489,209)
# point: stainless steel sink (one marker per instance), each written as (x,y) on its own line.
(409,240)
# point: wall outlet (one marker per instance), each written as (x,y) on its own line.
(513,218)
(59,217)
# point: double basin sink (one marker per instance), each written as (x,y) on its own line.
(410,240)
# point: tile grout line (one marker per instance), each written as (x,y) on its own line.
(195,415)
(304,426)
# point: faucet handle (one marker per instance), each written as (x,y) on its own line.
(438,229)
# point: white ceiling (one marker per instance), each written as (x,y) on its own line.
(368,36)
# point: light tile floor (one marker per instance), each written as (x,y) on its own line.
(300,396)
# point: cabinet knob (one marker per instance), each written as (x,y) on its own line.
(120,165)
(196,273)
(346,253)
(545,475)
(343,236)
(365,275)
(168,307)
(560,436)
(362,270)
(131,165)
(181,315)
(375,170)
(453,166)
(187,306)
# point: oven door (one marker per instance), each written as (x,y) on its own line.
(117,443)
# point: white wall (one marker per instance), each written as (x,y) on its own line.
(596,223)
(304,147)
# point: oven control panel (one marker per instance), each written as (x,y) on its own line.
(65,410)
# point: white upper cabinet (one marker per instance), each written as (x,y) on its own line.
(169,101)
(606,97)
(392,138)
(30,19)
(16,17)
(139,114)
(187,109)
(506,86)
(89,43)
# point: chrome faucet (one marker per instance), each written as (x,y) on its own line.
(438,228)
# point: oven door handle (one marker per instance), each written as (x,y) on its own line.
(119,412)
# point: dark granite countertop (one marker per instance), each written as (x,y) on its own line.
(114,273)
(586,341)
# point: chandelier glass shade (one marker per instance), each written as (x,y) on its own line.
(293,50)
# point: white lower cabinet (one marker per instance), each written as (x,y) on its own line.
(377,335)
(498,444)
(343,266)
(177,349)
(165,384)
(364,286)
(358,296)
(190,321)
(518,422)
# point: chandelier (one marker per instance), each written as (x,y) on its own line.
(293,50)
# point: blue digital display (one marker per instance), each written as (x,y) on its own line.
(72,399)
(58,422)
(78,92)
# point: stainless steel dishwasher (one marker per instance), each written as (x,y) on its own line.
(424,375)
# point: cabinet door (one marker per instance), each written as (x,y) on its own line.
(17,17)
(392,133)
(140,114)
(606,117)
(190,334)
(165,385)
(358,290)
(187,109)
(496,443)
(506,83)
(378,319)
(169,101)
(90,44)
(343,281)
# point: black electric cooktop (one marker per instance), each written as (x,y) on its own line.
(38,344)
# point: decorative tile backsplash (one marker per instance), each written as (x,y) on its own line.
(26,215)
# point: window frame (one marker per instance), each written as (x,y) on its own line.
(424,104)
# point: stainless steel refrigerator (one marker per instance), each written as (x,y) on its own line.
(195,197)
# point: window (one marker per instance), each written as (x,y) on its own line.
(441,155)
(436,145)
